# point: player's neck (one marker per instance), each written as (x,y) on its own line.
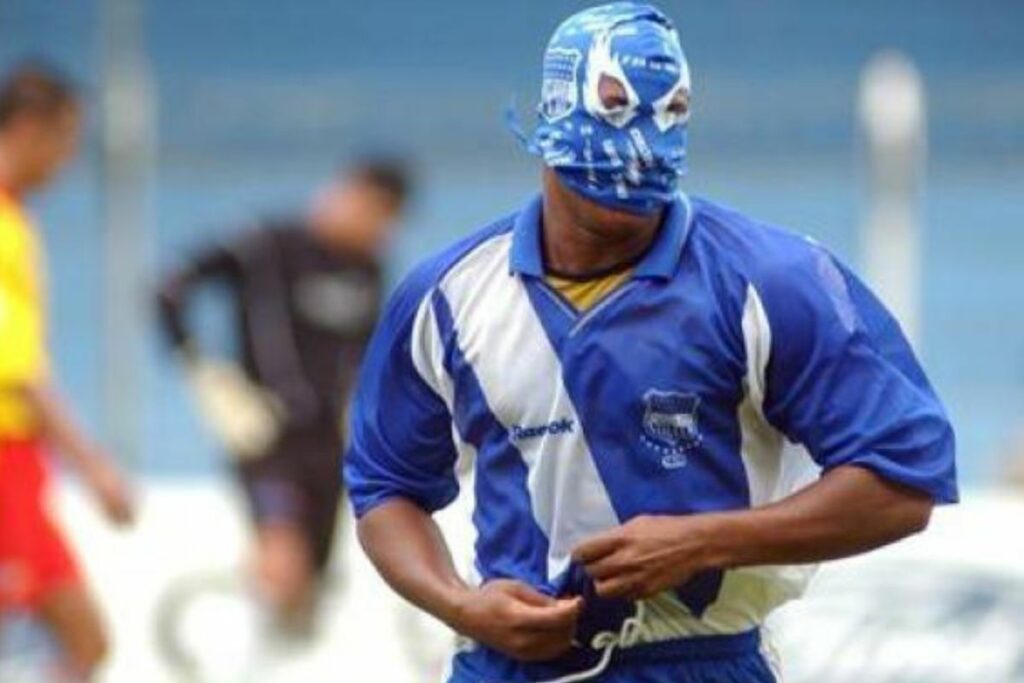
(340,242)
(9,183)
(578,243)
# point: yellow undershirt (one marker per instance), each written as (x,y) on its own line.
(583,294)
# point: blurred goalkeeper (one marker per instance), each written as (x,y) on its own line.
(307,291)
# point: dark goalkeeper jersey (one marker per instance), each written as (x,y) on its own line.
(303,313)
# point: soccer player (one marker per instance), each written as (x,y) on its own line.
(674,409)
(39,129)
(307,291)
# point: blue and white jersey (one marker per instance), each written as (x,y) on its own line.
(738,363)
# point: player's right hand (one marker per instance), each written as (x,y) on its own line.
(518,621)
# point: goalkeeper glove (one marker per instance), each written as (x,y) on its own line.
(244,416)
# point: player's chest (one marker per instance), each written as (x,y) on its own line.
(336,302)
(656,367)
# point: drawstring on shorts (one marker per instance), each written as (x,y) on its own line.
(608,641)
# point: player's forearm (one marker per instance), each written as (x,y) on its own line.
(170,302)
(848,511)
(409,551)
(176,290)
(61,429)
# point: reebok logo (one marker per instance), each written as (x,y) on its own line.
(521,433)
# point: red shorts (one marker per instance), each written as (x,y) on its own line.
(34,558)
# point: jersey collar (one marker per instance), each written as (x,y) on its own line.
(660,261)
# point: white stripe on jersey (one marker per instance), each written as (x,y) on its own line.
(495,320)
(775,469)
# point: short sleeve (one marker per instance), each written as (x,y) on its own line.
(401,429)
(843,381)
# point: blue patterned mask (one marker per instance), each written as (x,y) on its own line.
(614,107)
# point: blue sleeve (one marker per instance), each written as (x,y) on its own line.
(400,429)
(843,380)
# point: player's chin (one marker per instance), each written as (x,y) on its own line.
(615,223)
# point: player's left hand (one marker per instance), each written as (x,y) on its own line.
(645,556)
(112,492)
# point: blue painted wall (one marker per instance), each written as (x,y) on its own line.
(258,99)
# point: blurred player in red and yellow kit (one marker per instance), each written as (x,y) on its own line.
(39,129)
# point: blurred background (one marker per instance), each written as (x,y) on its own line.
(202,115)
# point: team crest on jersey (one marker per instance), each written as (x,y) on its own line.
(670,425)
(559,91)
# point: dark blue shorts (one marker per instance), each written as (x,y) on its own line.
(715,659)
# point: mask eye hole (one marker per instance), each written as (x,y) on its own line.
(612,93)
(679,105)
(673,109)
